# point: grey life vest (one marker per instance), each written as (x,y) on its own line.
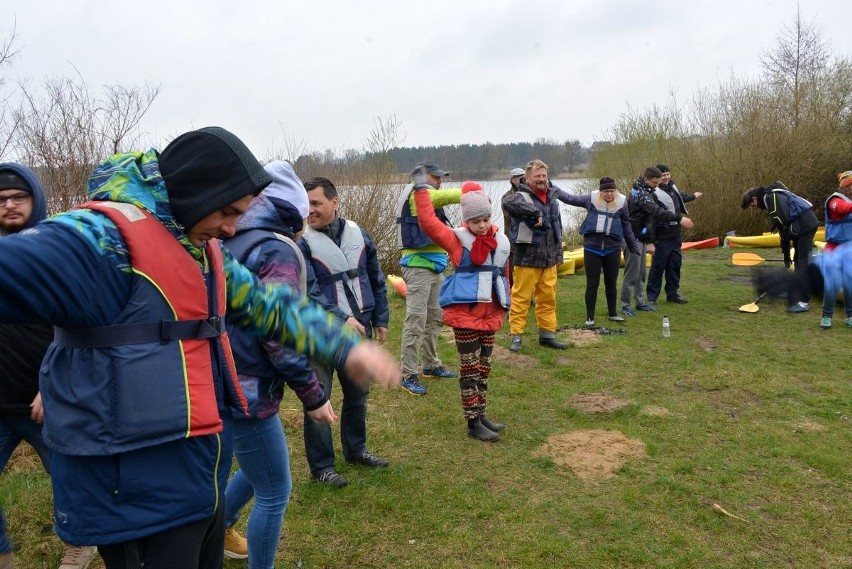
(338,267)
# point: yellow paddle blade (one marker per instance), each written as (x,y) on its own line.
(751,307)
(746,259)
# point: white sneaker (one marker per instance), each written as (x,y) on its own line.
(590,323)
(76,557)
(616,318)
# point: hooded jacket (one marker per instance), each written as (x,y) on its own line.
(263,243)
(75,271)
(22,347)
(645,211)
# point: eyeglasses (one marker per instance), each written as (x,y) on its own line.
(17,199)
(607,191)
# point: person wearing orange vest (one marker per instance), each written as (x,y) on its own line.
(139,384)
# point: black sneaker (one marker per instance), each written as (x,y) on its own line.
(369,460)
(331,478)
(677,299)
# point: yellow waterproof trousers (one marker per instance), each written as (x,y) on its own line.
(542,282)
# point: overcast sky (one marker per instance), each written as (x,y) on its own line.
(450,71)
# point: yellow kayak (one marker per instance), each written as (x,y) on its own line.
(573,260)
(765,240)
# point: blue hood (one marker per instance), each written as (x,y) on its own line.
(39,201)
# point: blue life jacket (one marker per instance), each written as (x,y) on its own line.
(840,230)
(478,283)
(249,354)
(836,268)
(608,223)
(158,372)
(409,234)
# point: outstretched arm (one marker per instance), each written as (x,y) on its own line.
(280,313)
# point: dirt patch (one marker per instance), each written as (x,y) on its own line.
(706,344)
(580,338)
(655,411)
(591,455)
(502,355)
(596,403)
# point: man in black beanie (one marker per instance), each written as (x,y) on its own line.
(139,384)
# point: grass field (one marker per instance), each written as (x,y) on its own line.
(726,445)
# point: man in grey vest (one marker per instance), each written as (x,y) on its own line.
(343,264)
(668,258)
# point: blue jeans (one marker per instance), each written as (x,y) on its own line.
(319,447)
(15,428)
(261,451)
(667,259)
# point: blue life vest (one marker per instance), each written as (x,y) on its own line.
(250,355)
(840,230)
(156,374)
(478,283)
(409,234)
(836,268)
(605,222)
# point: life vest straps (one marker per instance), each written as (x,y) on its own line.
(141,333)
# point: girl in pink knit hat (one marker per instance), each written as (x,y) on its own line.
(475,297)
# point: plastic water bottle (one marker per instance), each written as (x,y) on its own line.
(667,331)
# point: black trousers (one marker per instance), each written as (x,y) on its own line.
(595,264)
(198,545)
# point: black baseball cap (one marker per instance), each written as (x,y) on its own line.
(431,168)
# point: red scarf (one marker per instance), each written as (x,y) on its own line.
(482,247)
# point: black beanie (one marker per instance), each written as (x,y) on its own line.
(606,183)
(207,169)
(662,168)
(11,181)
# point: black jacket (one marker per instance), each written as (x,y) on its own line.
(645,212)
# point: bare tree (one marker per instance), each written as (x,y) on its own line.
(7,122)
(64,130)
(122,109)
(373,188)
(796,64)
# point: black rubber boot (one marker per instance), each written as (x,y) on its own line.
(491,425)
(552,343)
(476,430)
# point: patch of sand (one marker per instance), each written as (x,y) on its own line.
(519,362)
(580,338)
(591,455)
(596,403)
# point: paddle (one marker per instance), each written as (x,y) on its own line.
(752,307)
(750,259)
